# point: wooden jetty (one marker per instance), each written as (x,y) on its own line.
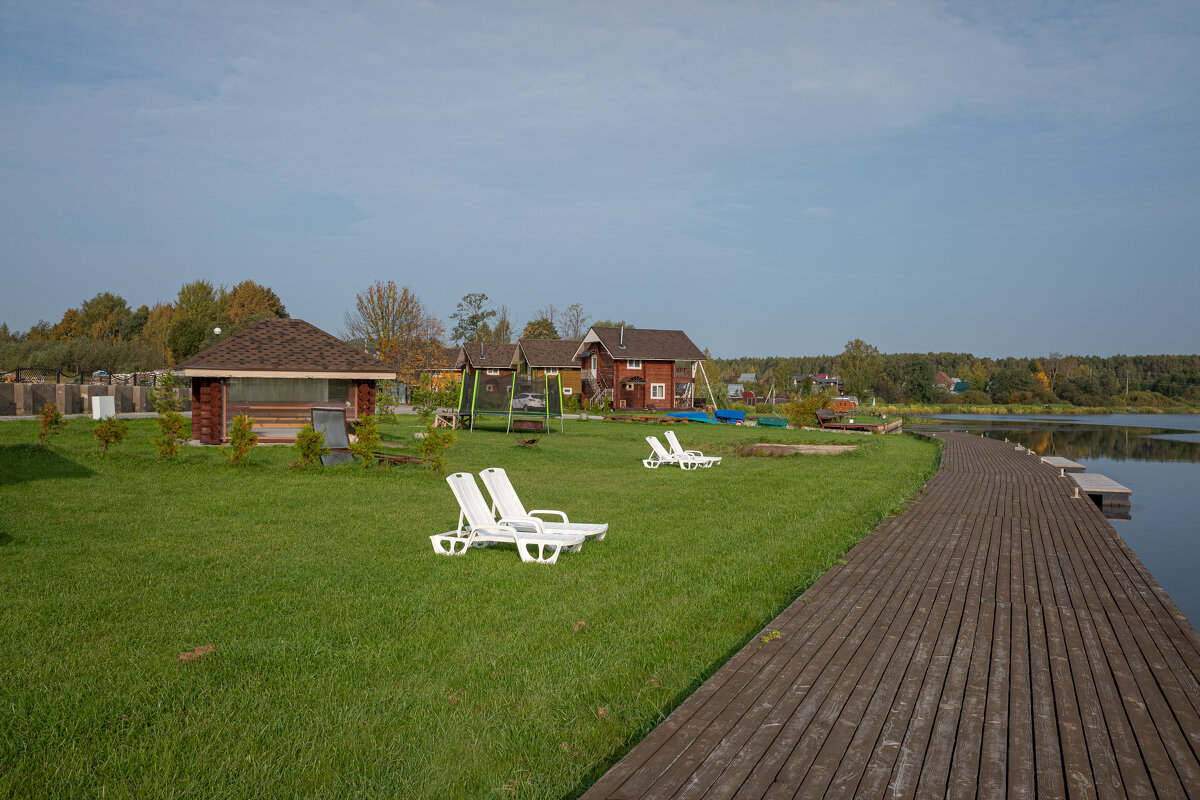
(1065,464)
(997,639)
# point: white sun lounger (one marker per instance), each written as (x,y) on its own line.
(506,502)
(660,456)
(478,527)
(677,450)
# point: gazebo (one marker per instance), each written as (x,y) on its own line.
(276,371)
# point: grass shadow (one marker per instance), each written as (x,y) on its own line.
(21,463)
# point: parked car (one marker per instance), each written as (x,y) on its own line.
(527,401)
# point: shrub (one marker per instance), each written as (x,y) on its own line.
(367,433)
(975,397)
(51,422)
(434,445)
(242,439)
(310,446)
(170,422)
(802,411)
(110,431)
(386,400)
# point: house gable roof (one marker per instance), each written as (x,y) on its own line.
(490,355)
(645,344)
(550,352)
(287,348)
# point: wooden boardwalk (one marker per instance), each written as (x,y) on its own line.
(997,639)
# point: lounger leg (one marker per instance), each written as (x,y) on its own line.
(525,548)
(449,545)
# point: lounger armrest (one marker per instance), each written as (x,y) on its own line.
(693,453)
(510,524)
(552,512)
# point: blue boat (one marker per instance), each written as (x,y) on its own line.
(723,417)
(694,416)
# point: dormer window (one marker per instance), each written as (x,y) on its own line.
(634,363)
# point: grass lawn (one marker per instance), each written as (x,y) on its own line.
(350,659)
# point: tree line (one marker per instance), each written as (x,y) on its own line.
(1153,380)
(105,332)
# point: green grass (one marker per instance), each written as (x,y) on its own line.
(353,661)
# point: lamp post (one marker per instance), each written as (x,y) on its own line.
(215,332)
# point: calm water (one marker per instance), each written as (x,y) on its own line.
(1155,455)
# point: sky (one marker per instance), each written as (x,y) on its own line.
(774,178)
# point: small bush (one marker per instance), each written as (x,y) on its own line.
(386,400)
(310,446)
(171,424)
(368,439)
(434,445)
(110,431)
(50,422)
(242,439)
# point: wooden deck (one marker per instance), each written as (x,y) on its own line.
(997,639)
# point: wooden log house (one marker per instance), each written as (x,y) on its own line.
(275,371)
(639,367)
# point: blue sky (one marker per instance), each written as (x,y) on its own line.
(775,178)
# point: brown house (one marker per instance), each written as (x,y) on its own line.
(496,361)
(540,357)
(639,367)
(275,371)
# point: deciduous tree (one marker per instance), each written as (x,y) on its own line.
(198,299)
(574,322)
(102,316)
(394,323)
(541,328)
(860,364)
(250,301)
(474,310)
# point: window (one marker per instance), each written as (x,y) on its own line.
(658,391)
(493,372)
(551,372)
(634,363)
(566,390)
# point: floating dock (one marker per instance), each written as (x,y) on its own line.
(1066,464)
(1103,490)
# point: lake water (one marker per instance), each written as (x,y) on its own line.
(1155,455)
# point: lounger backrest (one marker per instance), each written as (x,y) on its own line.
(674,442)
(332,423)
(658,449)
(504,496)
(470,499)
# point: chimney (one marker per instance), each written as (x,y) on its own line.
(622,343)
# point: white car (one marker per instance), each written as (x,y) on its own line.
(527,401)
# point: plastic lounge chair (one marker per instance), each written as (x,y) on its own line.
(677,450)
(508,504)
(332,423)
(478,527)
(660,456)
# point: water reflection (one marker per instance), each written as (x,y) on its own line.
(1081,438)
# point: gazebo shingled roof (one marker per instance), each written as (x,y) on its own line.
(284,348)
